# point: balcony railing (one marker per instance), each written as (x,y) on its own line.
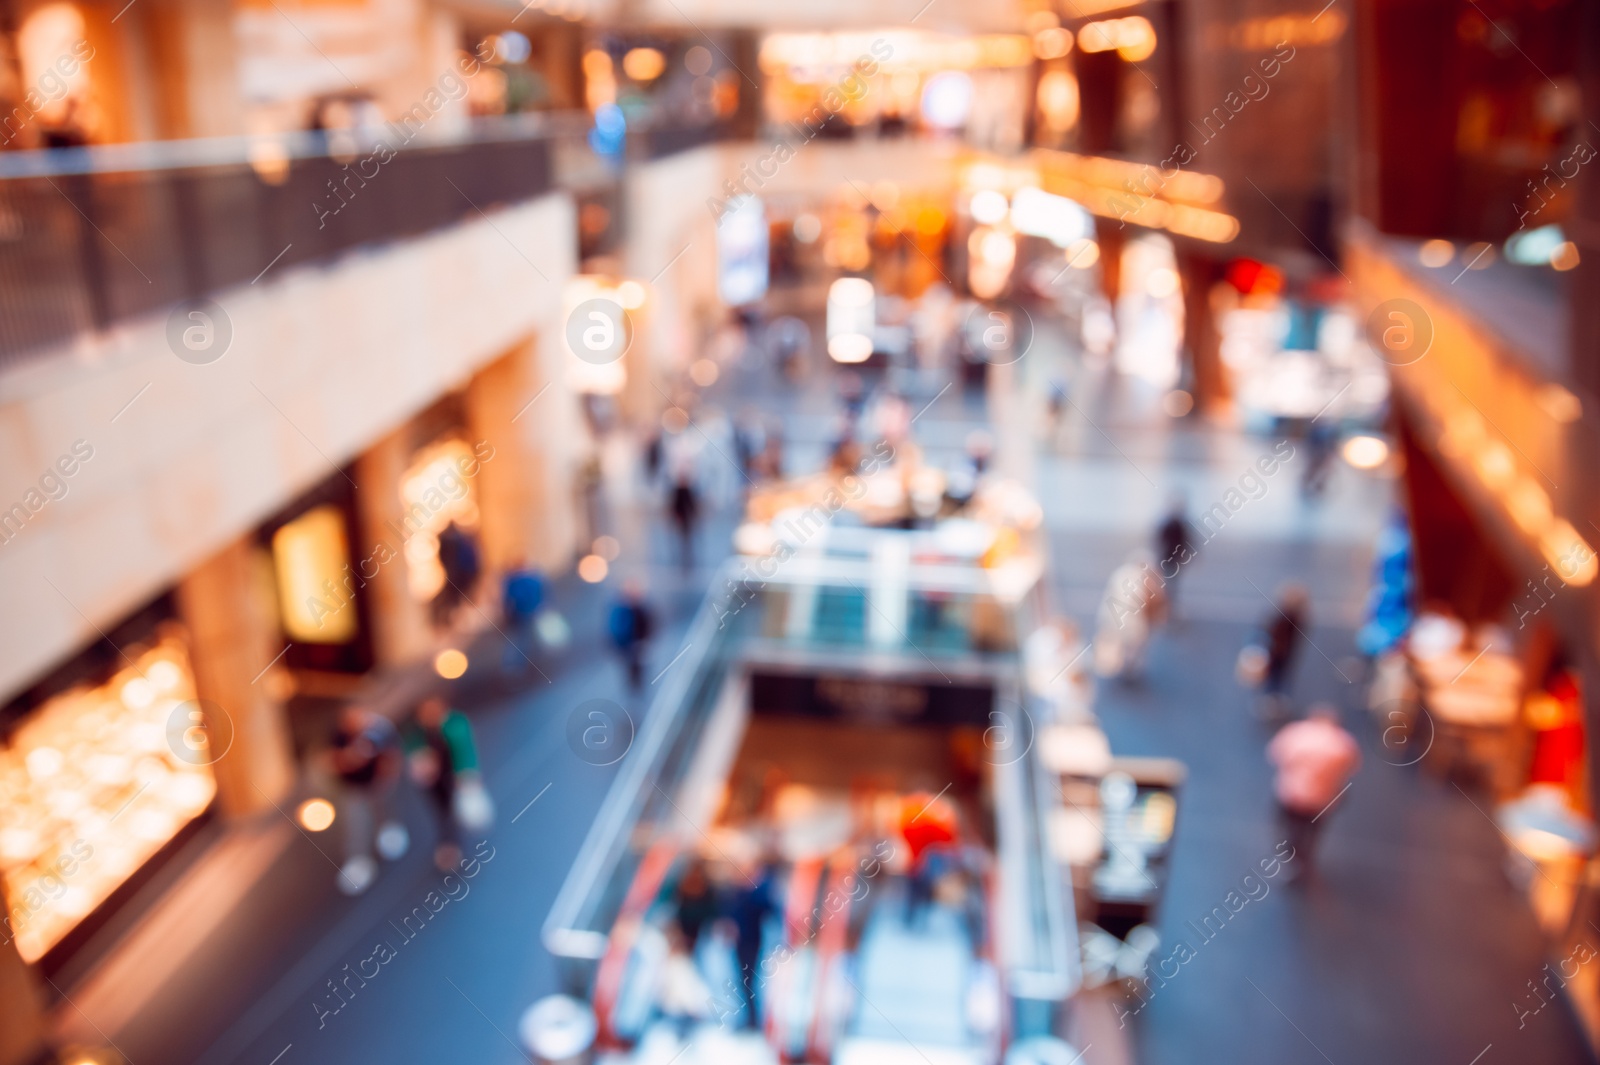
(90,237)
(94,236)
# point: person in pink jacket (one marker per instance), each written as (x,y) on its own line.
(1315,759)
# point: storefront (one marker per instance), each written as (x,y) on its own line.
(1494,682)
(104,765)
(323,612)
(370,576)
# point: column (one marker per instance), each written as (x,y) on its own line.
(525,493)
(1583,229)
(22,1015)
(1202,339)
(228,604)
(400,630)
(193,60)
(1111,235)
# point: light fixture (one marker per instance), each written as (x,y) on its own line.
(1436,253)
(631,295)
(643,64)
(1133,38)
(1161,282)
(704,373)
(1559,403)
(1365,452)
(852,319)
(1479,256)
(989,207)
(1052,43)
(850,347)
(593,569)
(315,815)
(1057,97)
(450,663)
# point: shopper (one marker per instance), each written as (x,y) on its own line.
(1315,759)
(365,755)
(522,593)
(685,515)
(444,761)
(1133,605)
(1320,442)
(1060,398)
(1175,547)
(750,907)
(461,561)
(750,444)
(1284,631)
(694,904)
(630,623)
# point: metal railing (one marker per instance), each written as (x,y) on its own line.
(93,236)
(90,237)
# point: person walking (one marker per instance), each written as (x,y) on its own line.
(522,593)
(630,624)
(1285,630)
(685,514)
(443,756)
(694,904)
(462,563)
(365,754)
(1133,606)
(1321,441)
(749,908)
(1315,760)
(1175,547)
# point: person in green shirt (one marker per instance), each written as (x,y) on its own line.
(444,761)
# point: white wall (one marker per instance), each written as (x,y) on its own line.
(323,361)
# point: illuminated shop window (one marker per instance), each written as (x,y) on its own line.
(93,784)
(436,490)
(315,587)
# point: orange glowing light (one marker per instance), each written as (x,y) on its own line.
(315,815)
(450,663)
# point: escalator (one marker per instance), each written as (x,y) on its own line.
(788,743)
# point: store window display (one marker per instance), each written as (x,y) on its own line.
(94,783)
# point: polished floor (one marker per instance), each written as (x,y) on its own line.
(1408,945)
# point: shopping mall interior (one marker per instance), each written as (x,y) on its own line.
(900,532)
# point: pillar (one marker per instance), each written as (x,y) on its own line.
(525,493)
(1112,236)
(193,63)
(400,630)
(227,603)
(1583,286)
(1202,339)
(1100,90)
(22,1015)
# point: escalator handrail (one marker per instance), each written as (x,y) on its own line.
(831,936)
(562,934)
(644,890)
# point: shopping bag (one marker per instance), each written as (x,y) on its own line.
(1250,669)
(473,807)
